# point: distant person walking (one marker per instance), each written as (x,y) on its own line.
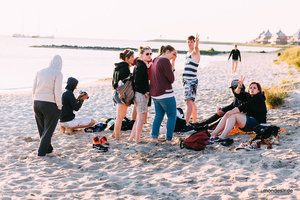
(47,93)
(121,72)
(190,79)
(235,56)
(161,79)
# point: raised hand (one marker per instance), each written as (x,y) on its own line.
(241,81)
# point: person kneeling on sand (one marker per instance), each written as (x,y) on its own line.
(70,103)
(246,116)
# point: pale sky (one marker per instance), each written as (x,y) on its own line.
(214,20)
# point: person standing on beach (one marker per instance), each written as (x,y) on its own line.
(190,80)
(235,56)
(149,65)
(161,79)
(69,104)
(121,72)
(141,88)
(47,92)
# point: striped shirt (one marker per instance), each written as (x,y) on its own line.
(190,68)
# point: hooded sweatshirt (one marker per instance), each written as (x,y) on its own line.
(69,101)
(121,72)
(254,106)
(48,83)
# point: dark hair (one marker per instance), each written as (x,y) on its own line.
(126,54)
(257,84)
(143,49)
(164,49)
(235,45)
(191,37)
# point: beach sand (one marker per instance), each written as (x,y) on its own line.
(146,170)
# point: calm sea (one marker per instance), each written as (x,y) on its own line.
(19,62)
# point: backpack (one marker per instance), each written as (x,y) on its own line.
(180,120)
(264,132)
(126,92)
(197,141)
(126,124)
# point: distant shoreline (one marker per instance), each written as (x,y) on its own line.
(210,52)
(225,43)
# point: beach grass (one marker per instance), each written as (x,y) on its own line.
(291,56)
(275,95)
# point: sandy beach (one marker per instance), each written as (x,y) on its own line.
(146,170)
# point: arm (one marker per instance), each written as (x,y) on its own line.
(34,85)
(230,54)
(58,90)
(75,104)
(167,70)
(196,52)
(240,56)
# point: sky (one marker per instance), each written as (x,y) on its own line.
(214,20)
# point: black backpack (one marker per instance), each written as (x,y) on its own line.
(264,131)
(180,120)
(126,124)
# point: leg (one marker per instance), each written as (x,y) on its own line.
(121,113)
(133,116)
(39,117)
(169,105)
(194,112)
(210,120)
(133,132)
(239,119)
(51,114)
(139,126)
(159,115)
(220,127)
(189,110)
(146,115)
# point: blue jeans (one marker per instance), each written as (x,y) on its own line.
(163,106)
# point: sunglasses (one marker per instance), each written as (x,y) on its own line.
(147,54)
(129,53)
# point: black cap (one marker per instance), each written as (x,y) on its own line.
(234,83)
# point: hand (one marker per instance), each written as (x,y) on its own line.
(147,94)
(220,111)
(241,81)
(197,37)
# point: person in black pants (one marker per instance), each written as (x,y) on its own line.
(47,92)
(221,111)
(236,55)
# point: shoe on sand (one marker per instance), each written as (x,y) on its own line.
(227,142)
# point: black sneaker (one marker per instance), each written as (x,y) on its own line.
(227,142)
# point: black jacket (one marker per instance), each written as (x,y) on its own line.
(69,102)
(235,54)
(121,72)
(254,106)
(140,77)
(235,103)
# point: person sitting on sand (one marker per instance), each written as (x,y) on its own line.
(69,104)
(141,88)
(246,116)
(121,72)
(221,111)
(161,79)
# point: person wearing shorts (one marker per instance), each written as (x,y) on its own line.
(190,80)
(69,104)
(141,88)
(236,55)
(247,115)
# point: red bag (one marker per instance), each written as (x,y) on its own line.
(197,141)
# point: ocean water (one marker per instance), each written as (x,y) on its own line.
(19,62)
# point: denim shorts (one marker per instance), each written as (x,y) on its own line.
(251,122)
(116,98)
(235,60)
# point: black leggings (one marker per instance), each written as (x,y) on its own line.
(46,117)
